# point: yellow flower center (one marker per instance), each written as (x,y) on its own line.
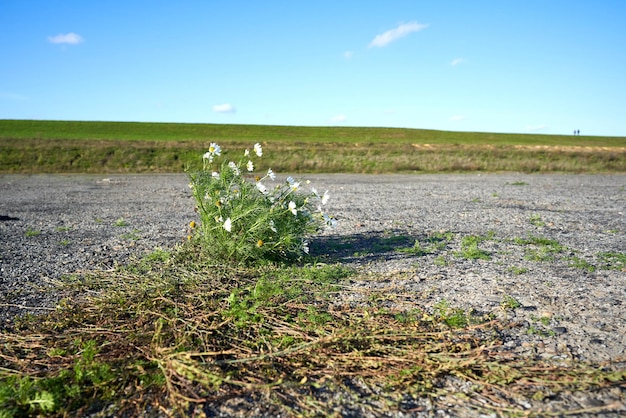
(259,243)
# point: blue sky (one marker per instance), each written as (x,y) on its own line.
(546,66)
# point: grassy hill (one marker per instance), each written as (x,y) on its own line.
(35,146)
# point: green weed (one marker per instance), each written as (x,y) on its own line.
(582,264)
(540,248)
(441,261)
(518,270)
(535,330)
(120,222)
(509,303)
(132,235)
(536,220)
(416,249)
(25,395)
(32,232)
(540,327)
(453,317)
(470,250)
(613,261)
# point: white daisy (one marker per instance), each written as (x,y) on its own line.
(258,149)
(292,207)
(325,197)
(293,184)
(214,150)
(262,187)
(233,167)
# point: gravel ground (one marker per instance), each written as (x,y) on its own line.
(51,225)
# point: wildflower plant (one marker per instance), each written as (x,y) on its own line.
(246,217)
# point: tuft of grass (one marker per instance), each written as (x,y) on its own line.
(470,250)
(613,260)
(441,261)
(120,222)
(132,235)
(30,232)
(416,249)
(540,326)
(453,317)
(540,248)
(509,303)
(434,243)
(582,264)
(518,270)
(537,220)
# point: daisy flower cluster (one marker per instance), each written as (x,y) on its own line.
(247,216)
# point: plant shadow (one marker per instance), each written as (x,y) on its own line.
(365,247)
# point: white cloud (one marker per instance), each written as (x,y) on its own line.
(339,118)
(457,61)
(391,35)
(68,38)
(348,54)
(539,127)
(224,108)
(457,117)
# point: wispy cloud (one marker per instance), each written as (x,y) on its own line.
(224,108)
(339,118)
(539,127)
(456,118)
(67,38)
(348,54)
(401,31)
(457,61)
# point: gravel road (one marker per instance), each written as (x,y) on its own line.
(571,291)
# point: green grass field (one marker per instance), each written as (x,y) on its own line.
(30,146)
